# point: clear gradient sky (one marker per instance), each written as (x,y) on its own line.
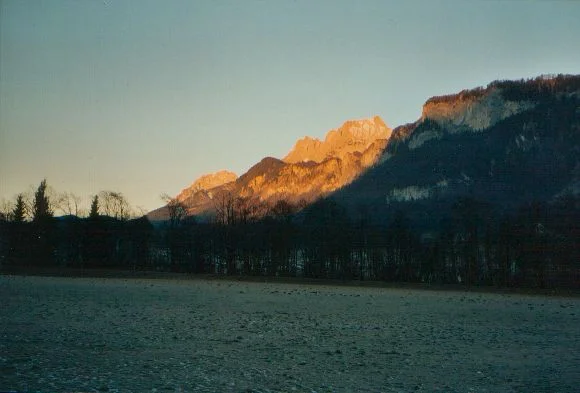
(143,97)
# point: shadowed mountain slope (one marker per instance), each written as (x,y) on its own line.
(508,144)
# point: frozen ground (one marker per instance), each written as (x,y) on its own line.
(120,335)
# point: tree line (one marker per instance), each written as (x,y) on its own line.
(475,244)
(111,234)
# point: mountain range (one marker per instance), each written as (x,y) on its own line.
(507,144)
(311,170)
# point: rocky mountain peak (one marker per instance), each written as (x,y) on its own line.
(207,182)
(312,169)
(462,143)
(354,136)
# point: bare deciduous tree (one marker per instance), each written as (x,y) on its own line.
(231,210)
(69,204)
(248,210)
(114,204)
(177,210)
(224,207)
(6,209)
(282,210)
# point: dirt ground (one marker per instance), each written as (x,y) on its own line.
(169,335)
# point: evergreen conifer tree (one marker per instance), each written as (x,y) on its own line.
(94,207)
(41,207)
(19,212)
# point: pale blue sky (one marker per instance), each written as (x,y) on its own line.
(143,97)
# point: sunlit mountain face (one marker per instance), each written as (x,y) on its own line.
(312,169)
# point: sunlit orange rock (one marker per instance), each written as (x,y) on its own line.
(312,169)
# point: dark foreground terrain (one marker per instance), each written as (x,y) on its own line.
(117,335)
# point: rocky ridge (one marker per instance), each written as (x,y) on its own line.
(206,183)
(475,109)
(312,169)
(508,144)
(354,136)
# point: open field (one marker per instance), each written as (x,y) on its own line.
(107,334)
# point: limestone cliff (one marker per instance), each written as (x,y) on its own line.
(312,169)
(354,136)
(472,111)
(475,110)
(505,145)
(206,183)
